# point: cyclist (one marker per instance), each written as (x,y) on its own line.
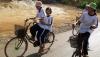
(88,22)
(48,20)
(40,14)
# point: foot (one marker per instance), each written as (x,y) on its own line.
(41,50)
(36,44)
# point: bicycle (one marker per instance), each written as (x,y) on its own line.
(74,39)
(17,46)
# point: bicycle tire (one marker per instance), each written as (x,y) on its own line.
(20,42)
(75,54)
(51,41)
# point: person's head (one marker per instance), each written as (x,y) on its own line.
(92,8)
(48,10)
(87,6)
(38,5)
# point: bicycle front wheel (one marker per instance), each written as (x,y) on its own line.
(16,47)
(76,54)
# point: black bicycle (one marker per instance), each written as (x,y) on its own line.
(17,46)
(73,41)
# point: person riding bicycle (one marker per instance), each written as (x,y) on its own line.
(40,14)
(88,22)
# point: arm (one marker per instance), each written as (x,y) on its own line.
(80,20)
(50,22)
(95,23)
(47,22)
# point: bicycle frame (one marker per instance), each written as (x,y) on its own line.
(27,37)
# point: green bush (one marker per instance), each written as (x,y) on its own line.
(83,4)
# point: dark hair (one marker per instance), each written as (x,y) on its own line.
(48,8)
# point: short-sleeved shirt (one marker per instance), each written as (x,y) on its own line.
(40,15)
(86,22)
(48,20)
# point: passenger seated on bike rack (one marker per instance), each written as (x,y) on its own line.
(47,28)
(88,22)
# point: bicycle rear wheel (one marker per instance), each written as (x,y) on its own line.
(49,40)
(16,47)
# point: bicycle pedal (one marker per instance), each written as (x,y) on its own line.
(36,44)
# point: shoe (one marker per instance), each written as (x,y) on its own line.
(36,44)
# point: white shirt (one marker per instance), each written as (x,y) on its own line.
(40,15)
(86,22)
(49,21)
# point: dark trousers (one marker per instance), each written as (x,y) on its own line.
(83,42)
(41,33)
(34,29)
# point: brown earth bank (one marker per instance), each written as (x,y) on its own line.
(63,15)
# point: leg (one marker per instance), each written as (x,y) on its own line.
(39,35)
(33,30)
(86,43)
(39,39)
(44,36)
(80,40)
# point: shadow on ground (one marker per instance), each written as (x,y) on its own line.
(34,55)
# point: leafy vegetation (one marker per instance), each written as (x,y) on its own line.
(80,3)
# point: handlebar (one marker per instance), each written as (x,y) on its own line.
(31,19)
(27,21)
